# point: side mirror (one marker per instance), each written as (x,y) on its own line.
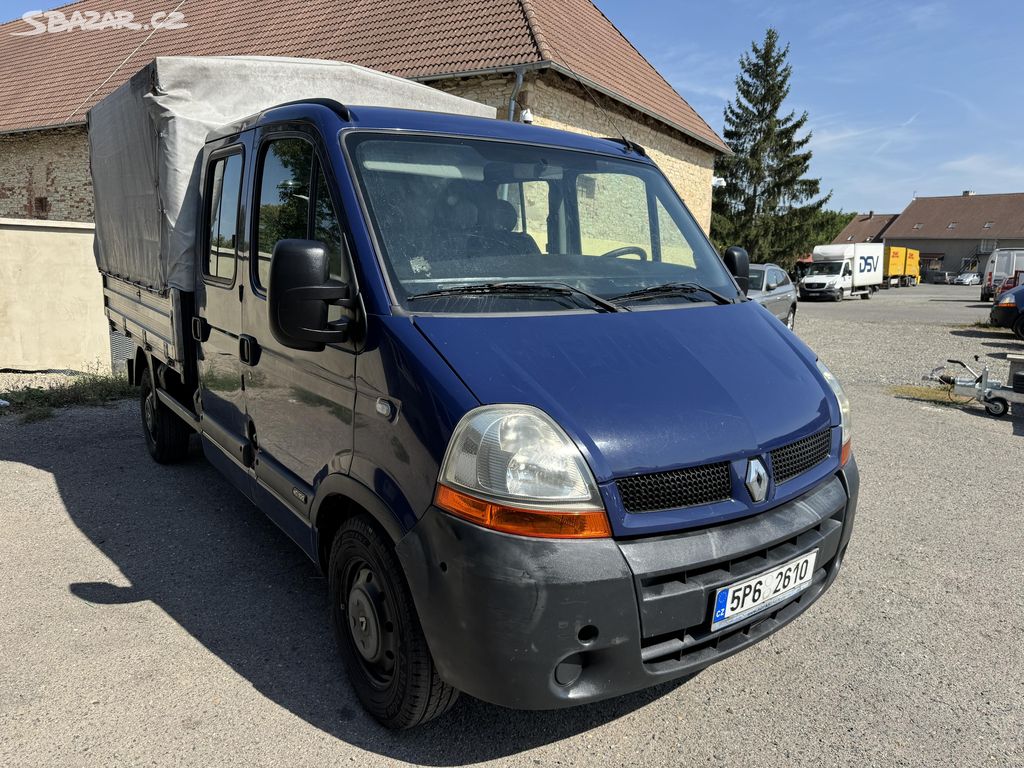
(738,263)
(771,287)
(299,293)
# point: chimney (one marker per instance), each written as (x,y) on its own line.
(968,193)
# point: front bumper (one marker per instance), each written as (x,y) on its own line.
(543,623)
(819,293)
(1003,317)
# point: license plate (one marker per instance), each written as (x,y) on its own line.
(745,598)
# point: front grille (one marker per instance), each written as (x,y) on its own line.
(814,286)
(796,458)
(676,488)
(679,632)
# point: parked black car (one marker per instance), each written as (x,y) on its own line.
(1008,312)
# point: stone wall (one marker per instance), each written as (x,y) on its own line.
(45,175)
(557,102)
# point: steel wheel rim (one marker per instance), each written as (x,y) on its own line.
(149,413)
(368,612)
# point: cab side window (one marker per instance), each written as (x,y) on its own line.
(613,214)
(286,167)
(223,189)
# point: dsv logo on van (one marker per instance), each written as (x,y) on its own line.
(868,264)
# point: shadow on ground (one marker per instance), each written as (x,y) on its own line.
(191,544)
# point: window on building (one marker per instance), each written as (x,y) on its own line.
(988,225)
(951,225)
(223,189)
(918,225)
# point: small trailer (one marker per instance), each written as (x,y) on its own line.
(992,393)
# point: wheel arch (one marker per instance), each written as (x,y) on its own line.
(339,498)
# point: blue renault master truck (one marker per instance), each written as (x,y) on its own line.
(492,379)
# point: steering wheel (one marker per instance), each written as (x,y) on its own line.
(626,251)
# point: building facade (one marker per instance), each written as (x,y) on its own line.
(957,233)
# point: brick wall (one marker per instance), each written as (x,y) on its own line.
(557,102)
(45,175)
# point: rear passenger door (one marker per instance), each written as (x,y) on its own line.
(218,322)
(299,404)
(781,294)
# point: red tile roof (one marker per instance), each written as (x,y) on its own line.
(866,228)
(54,78)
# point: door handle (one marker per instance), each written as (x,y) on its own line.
(248,350)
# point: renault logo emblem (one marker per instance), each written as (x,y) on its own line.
(757,480)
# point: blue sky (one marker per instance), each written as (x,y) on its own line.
(903,97)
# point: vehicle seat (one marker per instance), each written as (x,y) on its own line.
(498,220)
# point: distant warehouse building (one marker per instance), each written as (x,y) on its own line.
(958,232)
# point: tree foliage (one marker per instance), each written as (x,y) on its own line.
(768,204)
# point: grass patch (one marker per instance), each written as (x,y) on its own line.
(940,395)
(38,403)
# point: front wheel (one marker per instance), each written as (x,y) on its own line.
(1018,328)
(378,632)
(166,435)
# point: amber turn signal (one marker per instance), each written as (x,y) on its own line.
(543,524)
(845,452)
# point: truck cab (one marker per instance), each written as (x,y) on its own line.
(493,380)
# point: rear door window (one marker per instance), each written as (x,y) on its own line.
(223,189)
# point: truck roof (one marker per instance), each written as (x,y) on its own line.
(411,120)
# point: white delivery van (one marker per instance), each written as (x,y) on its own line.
(841,271)
(1003,263)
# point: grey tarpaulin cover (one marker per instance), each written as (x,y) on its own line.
(146,138)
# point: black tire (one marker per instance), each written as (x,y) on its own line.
(838,296)
(866,295)
(166,435)
(997,407)
(791,318)
(378,632)
(1018,328)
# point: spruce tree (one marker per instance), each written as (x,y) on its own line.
(767,204)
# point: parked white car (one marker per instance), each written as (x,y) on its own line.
(967,278)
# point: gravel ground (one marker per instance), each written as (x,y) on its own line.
(151,616)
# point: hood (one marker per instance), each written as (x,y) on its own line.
(646,391)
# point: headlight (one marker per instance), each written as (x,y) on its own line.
(1007,301)
(511,468)
(844,410)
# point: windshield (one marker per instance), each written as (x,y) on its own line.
(452,212)
(756,278)
(826,268)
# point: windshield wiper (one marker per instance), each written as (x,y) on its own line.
(521,289)
(685,290)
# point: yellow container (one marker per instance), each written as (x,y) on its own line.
(894,262)
(913,264)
